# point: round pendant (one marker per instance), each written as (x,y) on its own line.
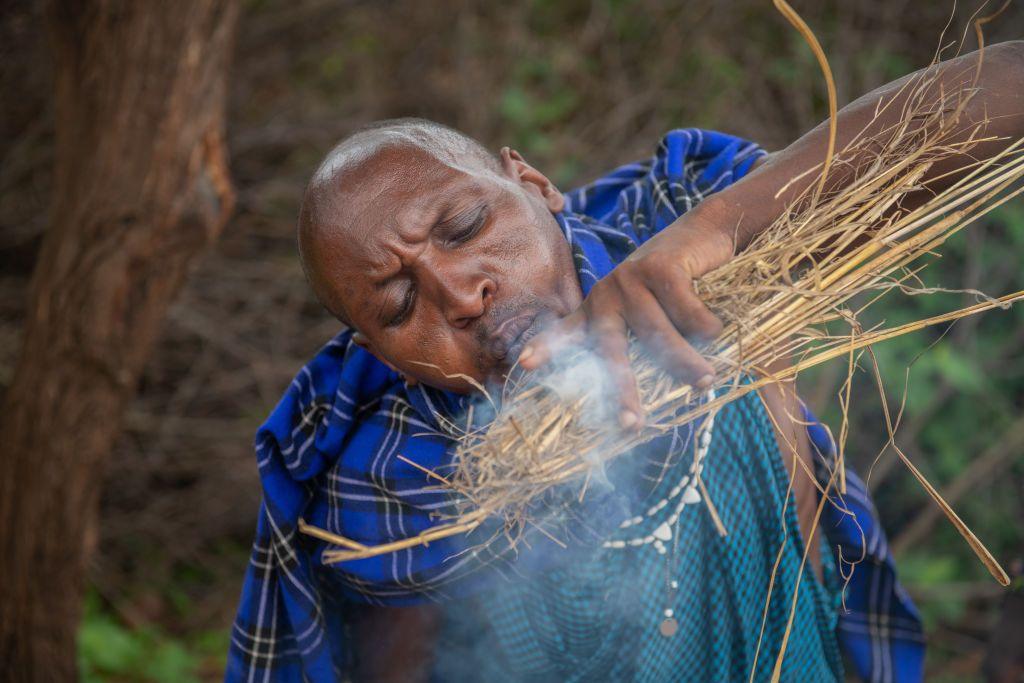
(669,627)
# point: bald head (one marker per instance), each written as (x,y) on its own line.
(434,250)
(438,140)
(368,157)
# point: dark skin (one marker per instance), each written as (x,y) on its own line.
(461,263)
(441,261)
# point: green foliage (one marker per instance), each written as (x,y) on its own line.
(536,97)
(109,651)
(929,573)
(965,388)
(528,75)
(889,64)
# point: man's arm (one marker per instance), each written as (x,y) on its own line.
(998,104)
(652,294)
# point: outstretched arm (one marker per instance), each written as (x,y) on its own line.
(998,104)
(652,294)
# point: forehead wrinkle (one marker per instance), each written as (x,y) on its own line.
(357,181)
(407,202)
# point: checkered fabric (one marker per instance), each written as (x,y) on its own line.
(596,617)
(328,453)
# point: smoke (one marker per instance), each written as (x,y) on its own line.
(586,376)
(561,546)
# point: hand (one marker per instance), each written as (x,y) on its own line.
(651,294)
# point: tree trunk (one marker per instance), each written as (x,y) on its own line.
(140,188)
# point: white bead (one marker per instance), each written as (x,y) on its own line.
(669,613)
(691,496)
(674,584)
(631,522)
(657,507)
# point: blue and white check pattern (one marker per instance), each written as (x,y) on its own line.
(328,453)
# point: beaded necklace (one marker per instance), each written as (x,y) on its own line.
(686,492)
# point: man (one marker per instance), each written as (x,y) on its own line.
(445,262)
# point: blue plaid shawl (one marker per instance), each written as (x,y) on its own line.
(327,453)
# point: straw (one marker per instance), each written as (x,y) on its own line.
(781,298)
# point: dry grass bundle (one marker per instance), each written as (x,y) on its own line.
(786,296)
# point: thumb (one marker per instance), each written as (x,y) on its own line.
(568,332)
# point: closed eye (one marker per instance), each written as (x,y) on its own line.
(471,227)
(402,314)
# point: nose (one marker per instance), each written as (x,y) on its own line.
(467,298)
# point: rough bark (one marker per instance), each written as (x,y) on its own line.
(140,187)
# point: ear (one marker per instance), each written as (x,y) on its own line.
(516,167)
(365,344)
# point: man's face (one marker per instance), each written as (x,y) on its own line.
(452,265)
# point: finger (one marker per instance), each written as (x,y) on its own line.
(662,340)
(569,331)
(609,336)
(685,310)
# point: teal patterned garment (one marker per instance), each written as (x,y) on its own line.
(597,618)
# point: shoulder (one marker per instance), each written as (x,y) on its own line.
(686,164)
(704,159)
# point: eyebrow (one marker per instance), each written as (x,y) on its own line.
(385,282)
(470,212)
(439,221)
(383,316)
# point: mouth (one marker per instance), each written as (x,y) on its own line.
(508,339)
(528,333)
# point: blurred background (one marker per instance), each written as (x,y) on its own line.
(577,86)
